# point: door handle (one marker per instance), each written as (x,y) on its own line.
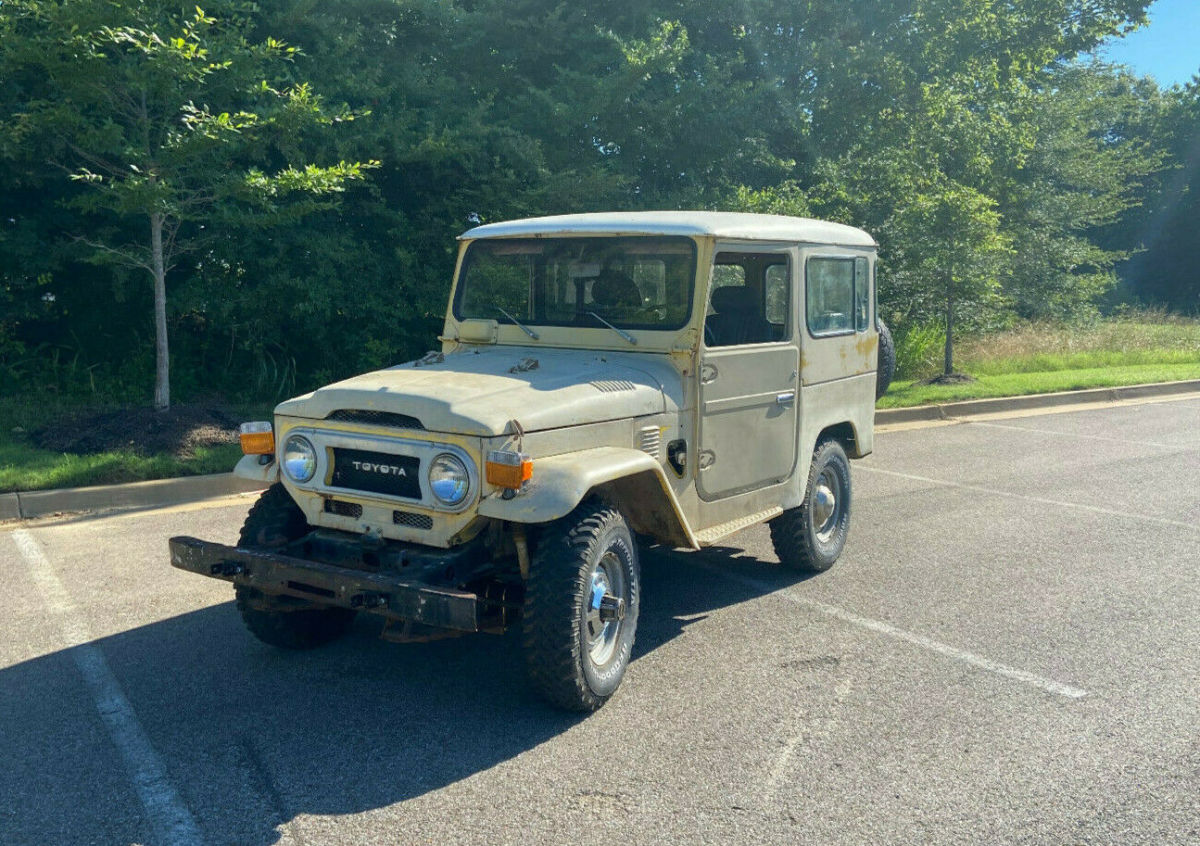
(708,373)
(786,398)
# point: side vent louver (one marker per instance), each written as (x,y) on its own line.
(613,386)
(650,440)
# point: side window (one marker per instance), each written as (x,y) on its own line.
(830,295)
(778,293)
(725,276)
(748,300)
(862,294)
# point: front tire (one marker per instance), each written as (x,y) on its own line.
(283,621)
(810,538)
(581,607)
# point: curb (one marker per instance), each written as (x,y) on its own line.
(972,408)
(10,507)
(154,494)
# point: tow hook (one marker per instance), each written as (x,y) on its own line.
(228,568)
(369,600)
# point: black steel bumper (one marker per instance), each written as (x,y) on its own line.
(329,584)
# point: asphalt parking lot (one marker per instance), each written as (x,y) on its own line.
(1006,652)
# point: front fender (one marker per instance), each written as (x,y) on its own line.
(249,468)
(634,479)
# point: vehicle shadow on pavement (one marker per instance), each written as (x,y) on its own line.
(252,736)
(680,588)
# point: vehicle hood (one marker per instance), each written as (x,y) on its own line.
(478,390)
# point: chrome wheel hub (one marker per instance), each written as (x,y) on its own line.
(605,611)
(825,504)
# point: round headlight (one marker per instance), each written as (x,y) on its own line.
(448,479)
(299,458)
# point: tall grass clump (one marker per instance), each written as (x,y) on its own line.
(1135,338)
(919,350)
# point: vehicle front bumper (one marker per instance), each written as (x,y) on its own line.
(329,584)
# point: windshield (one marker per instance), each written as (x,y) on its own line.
(633,283)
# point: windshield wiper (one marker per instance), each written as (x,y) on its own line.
(518,324)
(620,332)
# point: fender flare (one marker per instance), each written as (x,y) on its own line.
(633,478)
(249,468)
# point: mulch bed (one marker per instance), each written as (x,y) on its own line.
(951,379)
(178,431)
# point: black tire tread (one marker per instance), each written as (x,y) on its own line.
(272,521)
(305,628)
(886,366)
(551,641)
(789,531)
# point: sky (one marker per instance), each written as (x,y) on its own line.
(1168,48)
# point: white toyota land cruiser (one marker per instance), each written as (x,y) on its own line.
(679,375)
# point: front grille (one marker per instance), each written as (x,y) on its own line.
(375,418)
(414,521)
(345,509)
(377,472)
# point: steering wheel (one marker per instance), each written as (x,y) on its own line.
(655,312)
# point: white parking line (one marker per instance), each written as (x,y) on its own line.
(1126,441)
(1145,518)
(806,728)
(170,818)
(995,667)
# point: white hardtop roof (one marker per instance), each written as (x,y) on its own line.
(734,225)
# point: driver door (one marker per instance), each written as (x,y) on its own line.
(749,373)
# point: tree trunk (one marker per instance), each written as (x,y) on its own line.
(949,363)
(162,374)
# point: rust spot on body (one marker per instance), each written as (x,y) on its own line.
(867,344)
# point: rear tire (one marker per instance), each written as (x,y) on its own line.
(810,538)
(886,366)
(581,607)
(285,622)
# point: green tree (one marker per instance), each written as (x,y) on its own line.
(956,131)
(165,116)
(962,250)
(1165,270)
(1092,154)
(931,126)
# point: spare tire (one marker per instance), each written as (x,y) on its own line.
(886,368)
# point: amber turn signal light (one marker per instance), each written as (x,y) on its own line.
(508,469)
(257,438)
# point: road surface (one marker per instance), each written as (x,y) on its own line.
(1006,652)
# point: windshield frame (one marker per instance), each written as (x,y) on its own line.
(580,319)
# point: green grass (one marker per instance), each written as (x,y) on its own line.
(27,468)
(903,394)
(1144,337)
(1039,358)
